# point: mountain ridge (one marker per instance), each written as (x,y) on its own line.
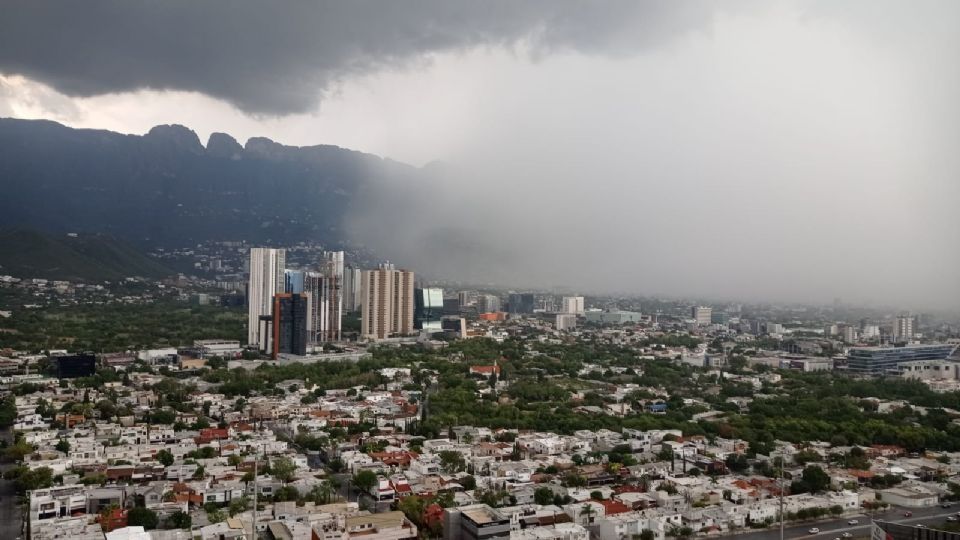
(165,188)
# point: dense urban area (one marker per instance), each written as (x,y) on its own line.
(291,394)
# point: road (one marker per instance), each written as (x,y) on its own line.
(835,528)
(10,512)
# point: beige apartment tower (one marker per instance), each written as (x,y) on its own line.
(387,303)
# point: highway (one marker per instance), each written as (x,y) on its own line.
(834,528)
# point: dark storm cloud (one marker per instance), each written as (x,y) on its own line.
(279,57)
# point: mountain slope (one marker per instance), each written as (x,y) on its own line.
(97,257)
(166,188)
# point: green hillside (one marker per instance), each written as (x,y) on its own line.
(93,257)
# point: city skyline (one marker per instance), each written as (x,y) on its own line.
(675,154)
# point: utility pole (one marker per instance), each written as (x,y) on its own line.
(256,459)
(781,498)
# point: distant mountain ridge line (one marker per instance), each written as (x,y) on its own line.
(166,188)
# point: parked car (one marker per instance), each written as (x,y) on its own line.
(946,505)
(847,535)
(951,518)
(853,522)
(907,514)
(814,530)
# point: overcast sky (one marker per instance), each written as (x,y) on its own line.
(759,150)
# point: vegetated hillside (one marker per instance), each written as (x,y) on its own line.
(166,188)
(85,257)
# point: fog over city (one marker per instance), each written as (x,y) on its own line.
(781,150)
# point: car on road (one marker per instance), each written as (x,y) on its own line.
(814,530)
(908,514)
(951,518)
(921,526)
(945,505)
(853,522)
(847,535)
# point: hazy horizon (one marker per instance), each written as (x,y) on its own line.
(789,151)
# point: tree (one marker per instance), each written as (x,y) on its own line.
(143,517)
(647,534)
(413,507)
(238,506)
(543,496)
(364,480)
(283,469)
(215,515)
(816,479)
(587,511)
(165,457)
(468,482)
(63,446)
(452,461)
(179,520)
(31,479)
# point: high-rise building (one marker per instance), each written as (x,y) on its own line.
(324,297)
(352,297)
(290,316)
(428,309)
(848,333)
(467,298)
(266,280)
(573,304)
(387,302)
(520,303)
(489,303)
(903,328)
(566,321)
(702,315)
(330,310)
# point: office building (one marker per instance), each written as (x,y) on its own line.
(266,280)
(520,303)
(720,317)
(451,306)
(880,360)
(489,303)
(903,328)
(613,316)
(930,369)
(773,328)
(467,298)
(290,315)
(454,325)
(428,309)
(566,321)
(830,330)
(76,365)
(702,315)
(573,304)
(293,280)
(388,303)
